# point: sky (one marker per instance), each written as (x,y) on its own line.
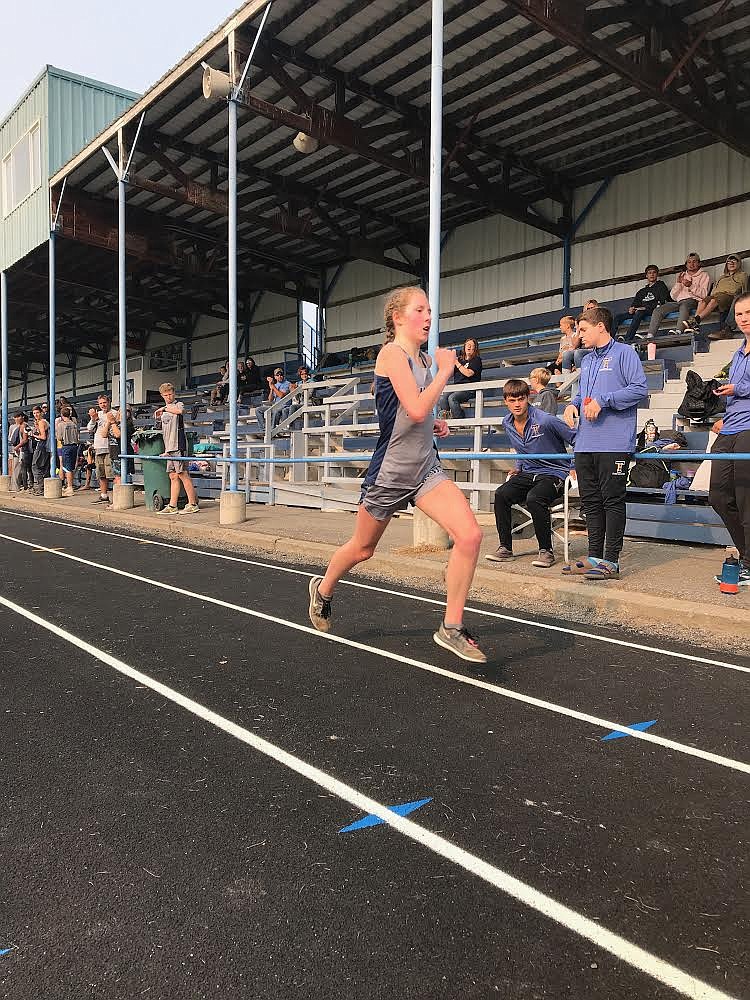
(129,45)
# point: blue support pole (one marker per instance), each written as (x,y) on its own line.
(232,292)
(4,365)
(566,272)
(122,327)
(52,441)
(436,172)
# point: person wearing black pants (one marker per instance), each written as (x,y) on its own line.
(729,493)
(612,383)
(602,479)
(537,483)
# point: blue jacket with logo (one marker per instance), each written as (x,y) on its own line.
(612,375)
(542,435)
(737,416)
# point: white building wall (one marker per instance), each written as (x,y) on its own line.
(477,275)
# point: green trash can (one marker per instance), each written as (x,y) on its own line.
(156,484)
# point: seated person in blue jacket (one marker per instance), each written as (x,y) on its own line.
(654,293)
(468,369)
(537,483)
(611,385)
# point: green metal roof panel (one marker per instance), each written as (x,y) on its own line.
(79,109)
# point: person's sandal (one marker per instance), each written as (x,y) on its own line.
(603,572)
(578,568)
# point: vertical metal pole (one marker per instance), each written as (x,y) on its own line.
(232,289)
(436,168)
(4,366)
(300,331)
(52,438)
(122,327)
(320,324)
(566,272)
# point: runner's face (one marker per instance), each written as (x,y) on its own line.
(414,319)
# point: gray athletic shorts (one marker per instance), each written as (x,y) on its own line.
(173,466)
(382,502)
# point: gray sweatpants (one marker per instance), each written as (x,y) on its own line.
(685,307)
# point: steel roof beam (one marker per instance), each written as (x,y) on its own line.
(567,22)
(345,134)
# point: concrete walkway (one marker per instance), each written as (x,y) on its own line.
(668,588)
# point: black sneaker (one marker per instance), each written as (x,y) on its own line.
(101,499)
(320,607)
(461,642)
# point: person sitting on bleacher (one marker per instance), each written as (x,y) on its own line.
(732,283)
(253,385)
(221,389)
(545,398)
(691,285)
(654,293)
(468,369)
(569,343)
(278,387)
(537,483)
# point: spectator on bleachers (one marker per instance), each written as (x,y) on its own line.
(68,439)
(691,285)
(220,391)
(654,293)
(64,402)
(729,327)
(40,467)
(468,368)
(726,289)
(537,483)
(611,385)
(278,387)
(729,493)
(253,381)
(18,441)
(569,343)
(545,397)
(241,380)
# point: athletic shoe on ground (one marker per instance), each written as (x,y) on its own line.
(101,499)
(320,607)
(545,559)
(67,491)
(169,509)
(461,642)
(190,508)
(37,493)
(501,554)
(744,577)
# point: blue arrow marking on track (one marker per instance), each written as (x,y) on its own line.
(633,725)
(403,810)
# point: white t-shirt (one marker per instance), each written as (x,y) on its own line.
(101,436)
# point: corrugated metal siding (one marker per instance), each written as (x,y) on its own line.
(356,308)
(684,182)
(28,225)
(78,110)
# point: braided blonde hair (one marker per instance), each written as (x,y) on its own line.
(396,301)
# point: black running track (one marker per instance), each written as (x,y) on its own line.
(147,853)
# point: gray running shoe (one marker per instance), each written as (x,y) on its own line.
(545,559)
(320,607)
(461,642)
(501,555)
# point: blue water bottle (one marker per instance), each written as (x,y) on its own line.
(730,576)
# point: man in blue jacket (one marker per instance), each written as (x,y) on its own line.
(537,483)
(611,385)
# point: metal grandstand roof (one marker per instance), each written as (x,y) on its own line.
(539,97)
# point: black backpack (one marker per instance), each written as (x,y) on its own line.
(648,474)
(700,405)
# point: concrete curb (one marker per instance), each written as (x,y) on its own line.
(575,601)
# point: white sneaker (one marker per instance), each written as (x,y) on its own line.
(169,509)
(190,508)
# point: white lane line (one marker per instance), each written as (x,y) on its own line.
(626,951)
(397,593)
(549,706)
